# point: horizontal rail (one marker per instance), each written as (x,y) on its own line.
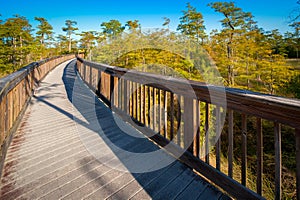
(16,90)
(191,115)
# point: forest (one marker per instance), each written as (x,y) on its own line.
(240,54)
(245,55)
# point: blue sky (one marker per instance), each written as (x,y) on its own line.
(89,14)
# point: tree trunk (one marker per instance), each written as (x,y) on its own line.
(70,43)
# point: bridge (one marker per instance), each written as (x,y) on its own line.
(75,129)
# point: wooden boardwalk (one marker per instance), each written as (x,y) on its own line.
(71,146)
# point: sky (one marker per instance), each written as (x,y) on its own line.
(89,14)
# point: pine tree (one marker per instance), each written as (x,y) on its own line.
(70,29)
(192,24)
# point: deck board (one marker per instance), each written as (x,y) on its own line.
(69,145)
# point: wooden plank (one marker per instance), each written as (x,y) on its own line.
(156,186)
(278,162)
(259,155)
(297,137)
(244,149)
(194,189)
(171,190)
(230,143)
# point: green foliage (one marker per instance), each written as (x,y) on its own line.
(70,30)
(45,30)
(113,28)
(293,86)
(87,42)
(192,24)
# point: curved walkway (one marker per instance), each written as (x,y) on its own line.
(71,146)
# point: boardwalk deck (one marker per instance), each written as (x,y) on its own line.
(71,146)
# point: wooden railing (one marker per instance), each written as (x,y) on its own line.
(16,90)
(189,120)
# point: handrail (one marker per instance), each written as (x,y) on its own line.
(132,94)
(16,90)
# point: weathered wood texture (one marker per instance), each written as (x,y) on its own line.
(183,130)
(15,91)
(63,150)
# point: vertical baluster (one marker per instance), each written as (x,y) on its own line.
(120,93)
(111,91)
(130,95)
(125,101)
(230,143)
(188,132)
(153,109)
(297,135)
(172,113)
(116,92)
(197,128)
(134,106)
(137,102)
(91,77)
(259,155)
(244,149)
(142,103)
(84,73)
(178,120)
(278,169)
(218,135)
(149,105)
(99,82)
(159,111)
(207,133)
(165,113)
